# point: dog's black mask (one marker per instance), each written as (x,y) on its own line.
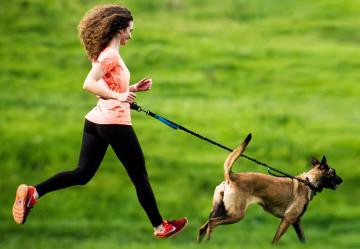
(329,178)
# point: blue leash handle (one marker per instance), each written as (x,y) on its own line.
(167,122)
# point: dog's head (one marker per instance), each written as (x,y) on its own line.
(327,177)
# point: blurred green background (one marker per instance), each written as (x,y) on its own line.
(286,71)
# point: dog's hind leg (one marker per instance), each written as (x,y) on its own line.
(284,224)
(218,210)
(202,232)
(229,219)
(299,231)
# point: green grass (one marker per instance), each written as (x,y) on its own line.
(285,71)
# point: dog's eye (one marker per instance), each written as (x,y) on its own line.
(330,173)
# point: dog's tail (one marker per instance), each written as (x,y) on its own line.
(235,154)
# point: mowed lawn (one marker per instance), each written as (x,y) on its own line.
(285,71)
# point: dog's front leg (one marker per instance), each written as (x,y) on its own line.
(299,231)
(284,224)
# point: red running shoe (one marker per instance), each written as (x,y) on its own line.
(171,228)
(24,201)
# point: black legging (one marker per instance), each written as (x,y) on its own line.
(123,140)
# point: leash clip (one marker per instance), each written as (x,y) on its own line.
(136,107)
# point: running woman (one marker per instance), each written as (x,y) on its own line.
(103,30)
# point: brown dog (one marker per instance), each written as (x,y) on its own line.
(285,198)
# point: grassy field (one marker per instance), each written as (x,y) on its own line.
(286,71)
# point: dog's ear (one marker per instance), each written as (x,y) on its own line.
(323,164)
(314,161)
(323,160)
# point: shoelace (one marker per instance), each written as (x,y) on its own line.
(169,225)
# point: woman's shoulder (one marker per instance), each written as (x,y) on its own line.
(109,53)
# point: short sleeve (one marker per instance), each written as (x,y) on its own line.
(107,60)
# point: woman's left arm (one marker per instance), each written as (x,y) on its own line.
(142,85)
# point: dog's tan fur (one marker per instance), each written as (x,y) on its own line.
(285,198)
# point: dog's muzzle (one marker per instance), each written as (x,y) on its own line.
(335,182)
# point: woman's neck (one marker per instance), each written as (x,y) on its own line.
(115,44)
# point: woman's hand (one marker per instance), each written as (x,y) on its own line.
(143,85)
(128,97)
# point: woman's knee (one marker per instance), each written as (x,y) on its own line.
(140,179)
(82,176)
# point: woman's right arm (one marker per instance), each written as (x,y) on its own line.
(91,85)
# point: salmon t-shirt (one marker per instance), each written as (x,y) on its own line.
(116,78)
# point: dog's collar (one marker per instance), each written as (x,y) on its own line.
(315,189)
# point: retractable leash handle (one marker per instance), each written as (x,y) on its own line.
(175,126)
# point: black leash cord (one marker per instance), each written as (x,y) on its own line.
(176,126)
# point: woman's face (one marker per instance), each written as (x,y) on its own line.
(125,34)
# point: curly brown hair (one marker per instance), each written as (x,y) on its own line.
(100,25)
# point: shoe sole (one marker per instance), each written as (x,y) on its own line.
(18,210)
